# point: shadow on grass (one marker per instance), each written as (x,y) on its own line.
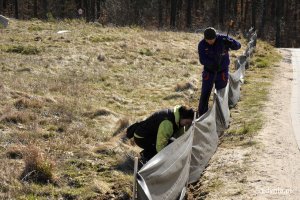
(125,164)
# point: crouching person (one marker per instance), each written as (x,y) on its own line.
(154,133)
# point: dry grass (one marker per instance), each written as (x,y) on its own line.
(185,86)
(14,152)
(122,124)
(97,113)
(68,93)
(16,117)
(38,168)
(24,103)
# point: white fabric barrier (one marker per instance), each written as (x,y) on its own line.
(235,81)
(222,110)
(165,176)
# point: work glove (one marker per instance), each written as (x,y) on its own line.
(227,42)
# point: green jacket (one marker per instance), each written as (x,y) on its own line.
(166,130)
(160,127)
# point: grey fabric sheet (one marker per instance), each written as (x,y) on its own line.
(204,144)
(235,80)
(251,43)
(254,38)
(241,60)
(248,51)
(242,68)
(250,33)
(143,192)
(222,110)
(165,176)
(4,21)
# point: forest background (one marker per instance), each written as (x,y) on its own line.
(277,22)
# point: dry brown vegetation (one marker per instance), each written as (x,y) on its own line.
(67,98)
(37,168)
(71,95)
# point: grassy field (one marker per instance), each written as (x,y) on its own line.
(64,96)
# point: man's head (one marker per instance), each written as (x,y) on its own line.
(210,35)
(186,116)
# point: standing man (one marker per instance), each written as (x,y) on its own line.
(155,132)
(213,55)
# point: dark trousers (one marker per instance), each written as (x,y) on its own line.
(148,146)
(220,80)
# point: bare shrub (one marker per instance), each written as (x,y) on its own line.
(37,168)
(20,49)
(121,125)
(17,117)
(17,94)
(124,164)
(185,86)
(174,96)
(14,152)
(97,113)
(105,148)
(100,187)
(23,103)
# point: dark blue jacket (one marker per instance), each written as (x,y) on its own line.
(215,58)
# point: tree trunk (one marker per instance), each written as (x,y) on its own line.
(16,9)
(246,14)
(215,18)
(86,10)
(242,11)
(237,15)
(93,13)
(45,8)
(78,4)
(189,14)
(254,8)
(235,8)
(160,14)
(263,19)
(197,4)
(221,13)
(35,15)
(62,9)
(279,15)
(173,13)
(98,9)
(179,15)
(277,37)
(178,12)
(1,6)
(136,11)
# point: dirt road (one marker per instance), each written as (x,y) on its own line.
(275,172)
